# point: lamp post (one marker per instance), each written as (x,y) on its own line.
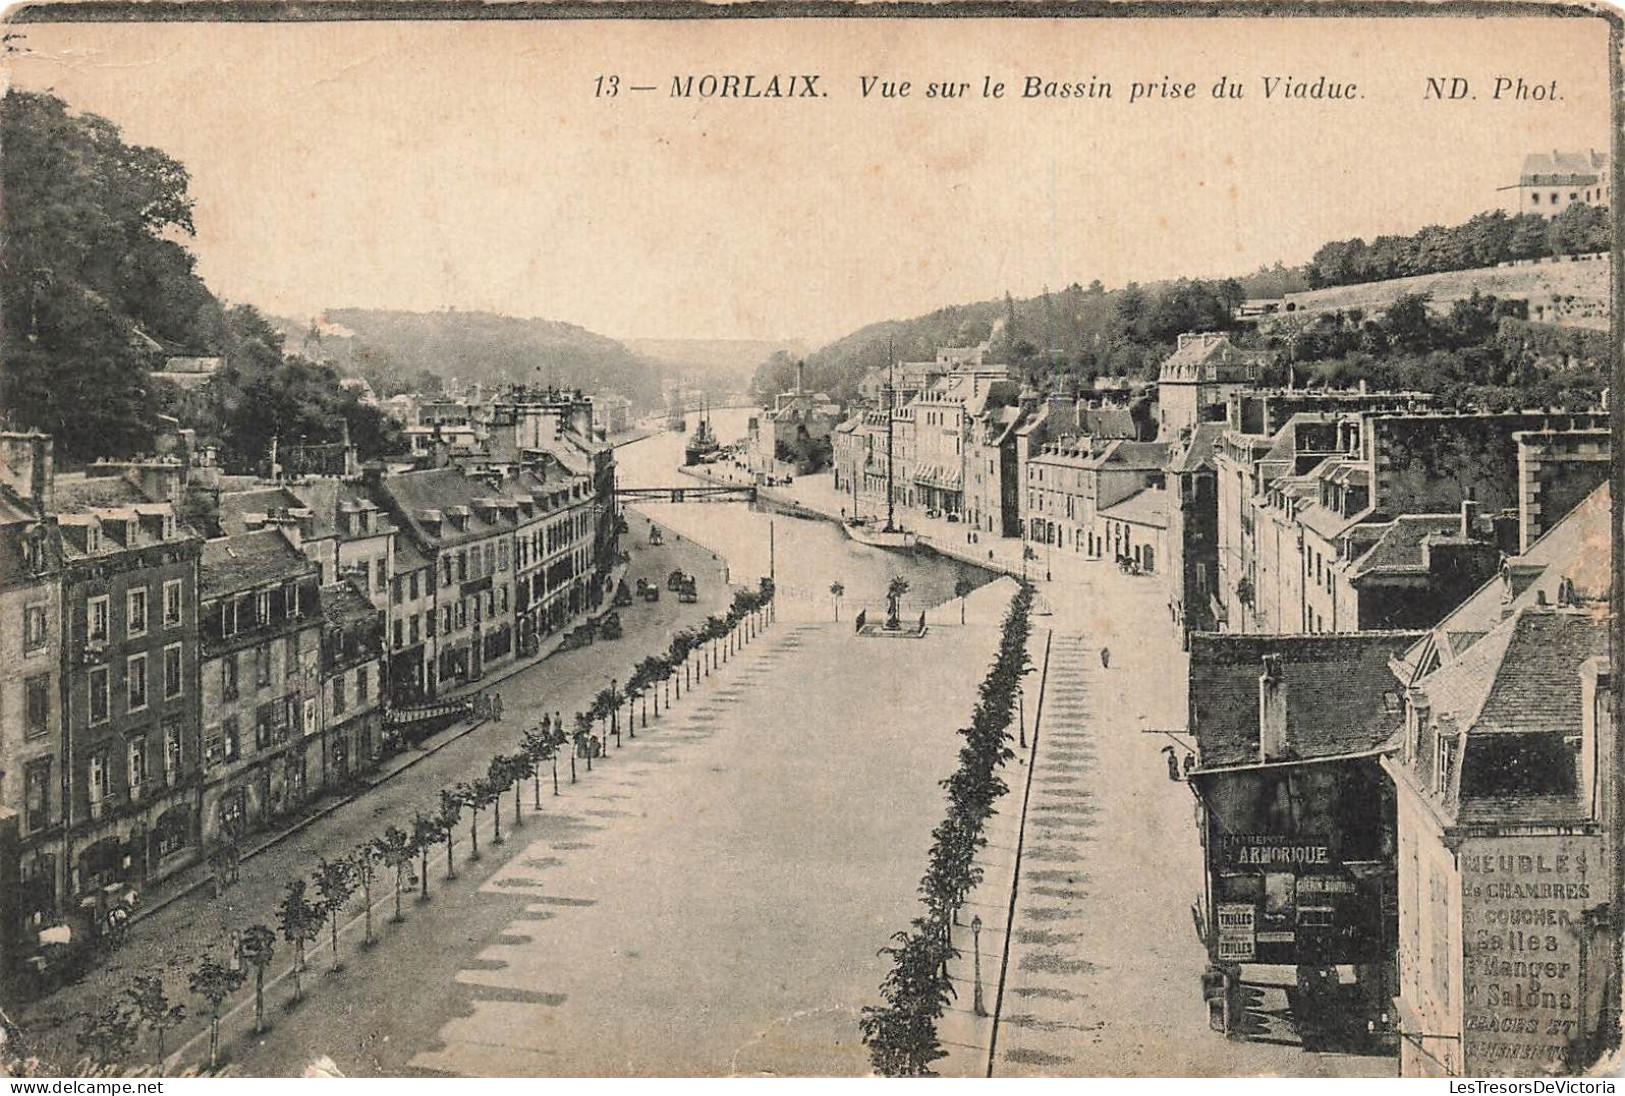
(976,953)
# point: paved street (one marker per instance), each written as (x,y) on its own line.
(710,904)
(172,940)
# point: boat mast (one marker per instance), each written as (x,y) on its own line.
(891,398)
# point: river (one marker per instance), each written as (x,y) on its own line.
(807,554)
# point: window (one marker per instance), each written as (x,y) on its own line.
(135,617)
(135,679)
(338,695)
(1534,199)
(172,750)
(445,570)
(361,685)
(228,677)
(445,621)
(172,603)
(38,690)
(400,635)
(290,600)
(228,617)
(462,612)
(262,607)
(137,772)
(233,739)
(96,614)
(413,586)
(462,566)
(265,718)
(412,629)
(99,689)
(397,593)
(173,684)
(262,665)
(428,623)
(98,777)
(37,796)
(502,556)
(502,598)
(34,627)
(290,653)
(380,568)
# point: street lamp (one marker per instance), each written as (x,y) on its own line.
(976,951)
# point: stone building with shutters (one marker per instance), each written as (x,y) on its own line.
(130,750)
(260,626)
(1506,802)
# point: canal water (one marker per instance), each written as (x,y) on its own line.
(807,554)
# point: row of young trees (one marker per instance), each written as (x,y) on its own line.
(901,1033)
(398,858)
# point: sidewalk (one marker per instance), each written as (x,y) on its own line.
(195,877)
(966,1036)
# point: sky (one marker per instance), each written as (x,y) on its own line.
(427,165)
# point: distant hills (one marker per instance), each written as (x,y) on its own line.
(726,362)
(401,351)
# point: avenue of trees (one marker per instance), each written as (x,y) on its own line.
(98,289)
(901,1032)
(387,867)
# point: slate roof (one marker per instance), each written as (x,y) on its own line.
(239,508)
(246,560)
(1148,506)
(1109,422)
(411,493)
(1197,452)
(1334,687)
(1577,548)
(1399,546)
(1590,163)
(345,607)
(1522,678)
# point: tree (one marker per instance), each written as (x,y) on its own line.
(472,796)
(335,883)
(894,600)
(365,859)
(214,983)
(154,1009)
(582,738)
(300,921)
(534,747)
(962,590)
(109,1034)
(452,803)
(258,949)
(837,591)
(426,833)
(395,851)
(90,278)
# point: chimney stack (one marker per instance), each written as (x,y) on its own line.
(1272,713)
(1469,518)
(801,376)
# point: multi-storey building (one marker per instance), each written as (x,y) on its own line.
(1381,519)
(411,622)
(261,631)
(30,700)
(554,546)
(992,487)
(1550,182)
(352,683)
(1193,529)
(1508,804)
(130,749)
(466,532)
(1199,378)
(1099,499)
(332,521)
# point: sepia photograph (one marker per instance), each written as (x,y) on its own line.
(809,540)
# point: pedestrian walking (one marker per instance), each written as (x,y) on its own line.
(496,707)
(1105,658)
